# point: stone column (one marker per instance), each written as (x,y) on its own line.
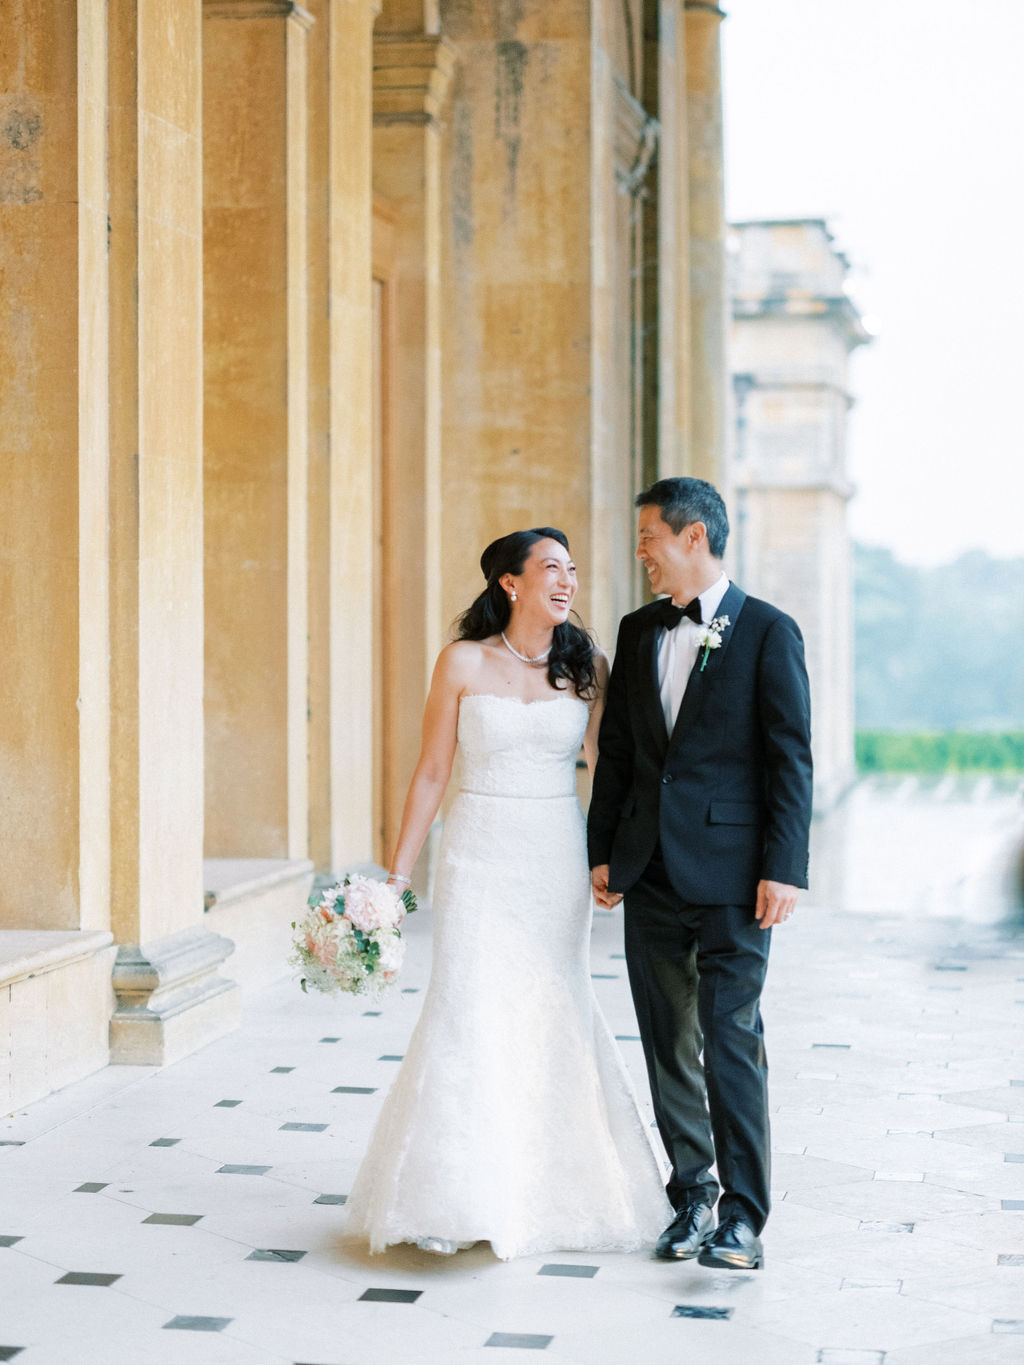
(672,248)
(255,203)
(709,388)
(351,432)
(411,73)
(170,998)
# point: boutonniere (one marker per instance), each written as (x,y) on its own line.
(710,636)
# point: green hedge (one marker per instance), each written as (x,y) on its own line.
(888,751)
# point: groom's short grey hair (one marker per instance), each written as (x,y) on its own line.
(684,501)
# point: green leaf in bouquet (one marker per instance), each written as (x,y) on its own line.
(409,900)
(312,900)
(302,983)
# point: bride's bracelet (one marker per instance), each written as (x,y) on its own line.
(397,877)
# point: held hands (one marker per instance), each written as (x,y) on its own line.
(606,899)
(775,903)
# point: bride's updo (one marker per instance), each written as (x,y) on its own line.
(572,651)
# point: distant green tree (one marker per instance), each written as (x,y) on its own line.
(938,649)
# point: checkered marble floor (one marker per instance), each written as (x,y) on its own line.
(195,1214)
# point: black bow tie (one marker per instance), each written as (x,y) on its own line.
(670,615)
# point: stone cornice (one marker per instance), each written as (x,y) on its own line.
(707,6)
(257,9)
(411,72)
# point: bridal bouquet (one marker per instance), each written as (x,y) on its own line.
(350,940)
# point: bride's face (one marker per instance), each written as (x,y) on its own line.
(547,585)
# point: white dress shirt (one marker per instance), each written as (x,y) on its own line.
(678,648)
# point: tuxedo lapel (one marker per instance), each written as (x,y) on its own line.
(701,679)
(648,690)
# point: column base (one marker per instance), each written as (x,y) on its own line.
(170,998)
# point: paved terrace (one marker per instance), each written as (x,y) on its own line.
(196,1214)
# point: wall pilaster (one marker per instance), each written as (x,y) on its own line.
(410,74)
(156,535)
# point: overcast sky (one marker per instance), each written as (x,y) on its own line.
(901,123)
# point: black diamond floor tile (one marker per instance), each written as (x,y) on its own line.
(9,1241)
(9,1352)
(302,1128)
(1010,1259)
(281,1070)
(833,1047)
(392,1057)
(523,1341)
(604,976)
(87,1277)
(1015,1325)
(165,1142)
(227,1104)
(354,1090)
(330,1040)
(242,1170)
(273,1254)
(410,990)
(571,1272)
(627,1037)
(372,1014)
(390,1295)
(90,1187)
(330,1199)
(1014,1156)
(700,1310)
(9,1142)
(186,1323)
(1013,1205)
(174,1220)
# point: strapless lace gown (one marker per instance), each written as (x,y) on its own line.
(512,1119)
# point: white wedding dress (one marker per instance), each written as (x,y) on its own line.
(512,1119)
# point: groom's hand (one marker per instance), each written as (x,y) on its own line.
(606,899)
(775,903)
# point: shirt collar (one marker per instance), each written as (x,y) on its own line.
(711,598)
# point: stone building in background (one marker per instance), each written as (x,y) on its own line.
(303,305)
(793,328)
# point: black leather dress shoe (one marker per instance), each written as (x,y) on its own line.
(686,1234)
(734,1245)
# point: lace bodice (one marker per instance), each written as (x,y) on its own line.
(510,747)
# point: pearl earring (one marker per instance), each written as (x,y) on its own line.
(514,596)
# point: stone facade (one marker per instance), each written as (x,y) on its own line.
(304,305)
(792,333)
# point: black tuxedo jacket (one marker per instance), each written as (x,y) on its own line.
(729,792)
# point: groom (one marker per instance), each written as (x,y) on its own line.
(699,815)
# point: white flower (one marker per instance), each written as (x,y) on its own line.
(710,637)
(392,951)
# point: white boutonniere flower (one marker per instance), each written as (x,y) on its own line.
(710,637)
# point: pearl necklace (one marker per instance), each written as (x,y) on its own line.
(539,659)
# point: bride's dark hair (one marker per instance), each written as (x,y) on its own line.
(572,650)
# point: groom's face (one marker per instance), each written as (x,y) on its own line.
(667,557)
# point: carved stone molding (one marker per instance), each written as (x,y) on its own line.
(707,6)
(411,72)
(635,140)
(257,9)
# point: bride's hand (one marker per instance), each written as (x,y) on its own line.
(606,899)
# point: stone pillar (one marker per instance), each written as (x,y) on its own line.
(170,998)
(351,432)
(411,74)
(672,249)
(256,350)
(709,387)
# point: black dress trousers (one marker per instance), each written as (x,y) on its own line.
(696,973)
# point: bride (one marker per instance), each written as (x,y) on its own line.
(512,1119)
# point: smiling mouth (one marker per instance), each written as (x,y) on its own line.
(560,599)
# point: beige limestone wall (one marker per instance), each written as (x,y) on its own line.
(39,535)
(246,431)
(517,272)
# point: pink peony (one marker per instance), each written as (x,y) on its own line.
(372,905)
